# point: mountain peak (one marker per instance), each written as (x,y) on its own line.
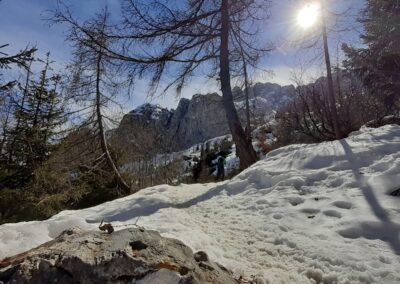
(151,111)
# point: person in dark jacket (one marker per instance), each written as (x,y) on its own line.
(220,167)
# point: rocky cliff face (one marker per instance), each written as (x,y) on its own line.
(143,130)
(264,98)
(198,120)
(194,121)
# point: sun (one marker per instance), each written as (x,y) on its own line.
(308,16)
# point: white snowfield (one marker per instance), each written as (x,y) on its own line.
(317,213)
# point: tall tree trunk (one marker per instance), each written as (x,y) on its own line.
(4,132)
(103,141)
(245,151)
(331,93)
(246,92)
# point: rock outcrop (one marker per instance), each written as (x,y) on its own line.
(265,96)
(126,256)
(194,121)
(197,120)
(390,119)
(144,131)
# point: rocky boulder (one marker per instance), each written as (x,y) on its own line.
(127,256)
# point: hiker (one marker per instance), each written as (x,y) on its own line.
(220,167)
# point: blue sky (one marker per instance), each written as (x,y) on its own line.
(22,23)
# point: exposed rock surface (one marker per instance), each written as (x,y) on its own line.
(390,119)
(197,120)
(265,97)
(144,131)
(126,256)
(194,121)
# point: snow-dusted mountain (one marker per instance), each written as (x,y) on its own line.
(196,120)
(317,213)
(265,97)
(150,112)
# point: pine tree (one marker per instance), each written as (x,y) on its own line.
(38,113)
(378,62)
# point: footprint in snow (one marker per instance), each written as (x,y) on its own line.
(343,204)
(295,200)
(332,213)
(310,210)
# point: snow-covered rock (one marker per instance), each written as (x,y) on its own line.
(265,97)
(316,213)
(150,112)
(390,119)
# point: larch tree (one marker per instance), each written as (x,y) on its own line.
(183,38)
(220,35)
(21,58)
(95,80)
(331,92)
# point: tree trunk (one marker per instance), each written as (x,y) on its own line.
(246,92)
(331,93)
(4,132)
(103,142)
(245,151)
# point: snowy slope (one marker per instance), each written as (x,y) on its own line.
(305,214)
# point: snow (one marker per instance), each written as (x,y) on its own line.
(189,157)
(154,110)
(232,162)
(317,213)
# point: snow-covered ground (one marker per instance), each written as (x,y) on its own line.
(317,213)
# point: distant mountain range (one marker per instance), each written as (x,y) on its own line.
(196,120)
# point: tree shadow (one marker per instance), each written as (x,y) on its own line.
(144,206)
(138,207)
(384,138)
(388,231)
(202,197)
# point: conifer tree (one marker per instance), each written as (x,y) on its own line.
(38,113)
(378,61)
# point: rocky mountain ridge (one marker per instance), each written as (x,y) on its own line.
(195,120)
